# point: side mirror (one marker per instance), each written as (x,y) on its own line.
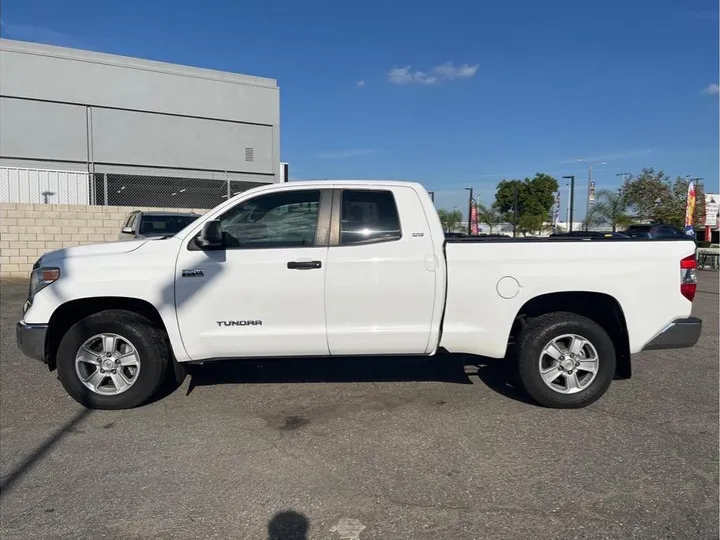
(211,236)
(127,230)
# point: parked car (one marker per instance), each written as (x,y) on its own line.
(311,269)
(141,224)
(656,230)
(589,234)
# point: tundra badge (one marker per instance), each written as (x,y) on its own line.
(239,323)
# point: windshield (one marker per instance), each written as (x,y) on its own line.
(164,225)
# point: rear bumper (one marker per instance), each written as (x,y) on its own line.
(679,334)
(31,339)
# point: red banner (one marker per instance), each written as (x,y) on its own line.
(473,220)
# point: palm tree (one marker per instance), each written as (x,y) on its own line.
(450,219)
(612,208)
(490,215)
(594,218)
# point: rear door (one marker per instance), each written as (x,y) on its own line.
(381,273)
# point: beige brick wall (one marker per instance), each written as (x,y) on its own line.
(29,230)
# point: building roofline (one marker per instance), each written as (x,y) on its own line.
(27,47)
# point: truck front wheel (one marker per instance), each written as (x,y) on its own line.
(113,359)
(565,360)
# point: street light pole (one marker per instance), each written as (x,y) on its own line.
(571,202)
(470,205)
(587,203)
(589,188)
(567,207)
(432,195)
(624,175)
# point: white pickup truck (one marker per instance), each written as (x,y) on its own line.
(353,269)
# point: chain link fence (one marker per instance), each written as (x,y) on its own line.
(164,192)
(39,186)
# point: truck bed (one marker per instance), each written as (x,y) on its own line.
(536,239)
(489,281)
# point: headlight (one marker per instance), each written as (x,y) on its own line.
(41,278)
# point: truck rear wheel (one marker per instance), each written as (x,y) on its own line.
(565,360)
(114,359)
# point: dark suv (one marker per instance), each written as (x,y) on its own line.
(589,234)
(141,224)
(655,230)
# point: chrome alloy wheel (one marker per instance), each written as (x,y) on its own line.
(569,364)
(107,364)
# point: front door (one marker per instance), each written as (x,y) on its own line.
(263,295)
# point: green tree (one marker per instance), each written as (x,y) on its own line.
(450,219)
(594,217)
(535,198)
(489,215)
(654,197)
(611,208)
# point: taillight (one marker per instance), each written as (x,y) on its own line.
(688,277)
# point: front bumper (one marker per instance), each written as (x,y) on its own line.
(31,339)
(679,334)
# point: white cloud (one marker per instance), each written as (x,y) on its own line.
(403,75)
(361,83)
(345,154)
(450,72)
(711,89)
(437,75)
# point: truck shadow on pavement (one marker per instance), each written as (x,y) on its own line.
(8,481)
(456,369)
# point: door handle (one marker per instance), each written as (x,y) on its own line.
(304,265)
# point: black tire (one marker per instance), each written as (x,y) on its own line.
(538,333)
(151,344)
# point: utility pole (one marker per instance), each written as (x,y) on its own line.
(470,207)
(571,202)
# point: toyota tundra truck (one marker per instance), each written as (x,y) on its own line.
(338,269)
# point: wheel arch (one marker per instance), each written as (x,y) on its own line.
(602,308)
(69,313)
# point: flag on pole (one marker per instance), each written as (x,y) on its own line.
(556,212)
(690,210)
(474,219)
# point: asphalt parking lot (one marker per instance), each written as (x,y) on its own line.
(370,449)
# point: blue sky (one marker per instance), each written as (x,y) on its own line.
(452,94)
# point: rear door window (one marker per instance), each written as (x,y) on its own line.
(369,216)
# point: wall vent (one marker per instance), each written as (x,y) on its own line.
(249,154)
